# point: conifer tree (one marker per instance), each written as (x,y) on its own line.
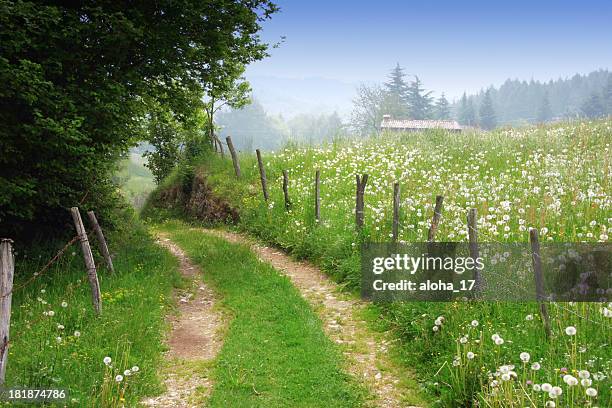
(488,120)
(467,114)
(419,101)
(442,108)
(544,111)
(396,93)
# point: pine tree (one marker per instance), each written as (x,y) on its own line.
(544,111)
(396,93)
(442,108)
(419,101)
(488,120)
(593,107)
(607,96)
(467,114)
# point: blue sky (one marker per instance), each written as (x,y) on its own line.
(452,46)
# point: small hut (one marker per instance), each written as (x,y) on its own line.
(409,125)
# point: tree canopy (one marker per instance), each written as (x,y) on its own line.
(78,79)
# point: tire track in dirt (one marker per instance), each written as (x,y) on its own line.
(194,341)
(366,352)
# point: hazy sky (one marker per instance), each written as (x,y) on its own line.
(452,45)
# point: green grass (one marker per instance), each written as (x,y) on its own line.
(130,330)
(135,180)
(275,352)
(554,178)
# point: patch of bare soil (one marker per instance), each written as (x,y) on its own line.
(366,351)
(194,341)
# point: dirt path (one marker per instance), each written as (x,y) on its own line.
(194,341)
(366,351)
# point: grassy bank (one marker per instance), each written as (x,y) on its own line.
(275,353)
(58,342)
(553,178)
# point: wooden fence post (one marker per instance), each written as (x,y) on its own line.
(101,240)
(539,278)
(396,210)
(286,190)
(89,261)
(435,220)
(318,195)
(7,270)
(262,175)
(472,218)
(230,147)
(359,202)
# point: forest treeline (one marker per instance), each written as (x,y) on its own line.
(515,102)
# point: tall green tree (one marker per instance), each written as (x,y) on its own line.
(396,91)
(593,107)
(544,110)
(420,102)
(488,120)
(442,108)
(75,80)
(467,114)
(369,106)
(607,96)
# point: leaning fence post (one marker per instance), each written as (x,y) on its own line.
(89,261)
(539,278)
(318,195)
(359,202)
(230,146)
(101,240)
(473,246)
(7,270)
(286,190)
(396,210)
(262,175)
(435,220)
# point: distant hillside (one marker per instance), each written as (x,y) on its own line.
(517,102)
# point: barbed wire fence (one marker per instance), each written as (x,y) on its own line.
(7,272)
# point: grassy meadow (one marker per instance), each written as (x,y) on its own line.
(135,180)
(58,342)
(554,178)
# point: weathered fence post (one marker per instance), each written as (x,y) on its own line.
(7,270)
(318,195)
(230,146)
(539,278)
(89,261)
(262,175)
(359,203)
(286,190)
(435,220)
(472,218)
(101,240)
(396,210)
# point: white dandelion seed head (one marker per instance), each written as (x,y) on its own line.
(570,330)
(474,323)
(64,304)
(77,333)
(546,387)
(524,356)
(107,360)
(570,380)
(470,355)
(535,366)
(119,378)
(135,369)
(584,374)
(591,392)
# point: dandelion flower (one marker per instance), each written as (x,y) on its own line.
(537,387)
(591,392)
(524,356)
(127,373)
(119,378)
(570,380)
(584,374)
(570,330)
(58,339)
(529,317)
(546,387)
(470,355)
(435,328)
(107,360)
(499,341)
(474,323)
(463,340)
(135,369)
(64,304)
(505,377)
(51,313)
(60,327)
(586,382)
(77,333)
(535,366)
(556,391)
(550,404)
